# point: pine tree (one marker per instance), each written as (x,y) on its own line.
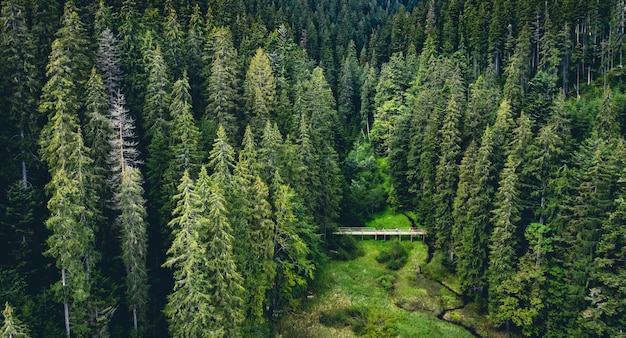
(473,222)
(73,199)
(173,43)
(294,269)
(221,159)
(190,308)
(389,100)
(259,91)
(260,269)
(98,127)
(322,119)
(222,82)
(185,136)
(73,39)
(134,239)
(447,175)
(157,96)
(109,63)
(223,275)
(604,315)
(12,327)
(124,152)
(348,96)
(20,83)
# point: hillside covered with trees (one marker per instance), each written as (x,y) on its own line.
(179,166)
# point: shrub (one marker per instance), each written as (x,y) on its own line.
(395,258)
(386,281)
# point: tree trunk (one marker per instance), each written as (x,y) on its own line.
(135,326)
(24,172)
(66,308)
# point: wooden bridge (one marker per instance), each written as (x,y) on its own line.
(382,233)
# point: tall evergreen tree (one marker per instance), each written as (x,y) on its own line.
(109,63)
(223,275)
(222,82)
(20,83)
(72,198)
(134,239)
(190,308)
(259,91)
(447,176)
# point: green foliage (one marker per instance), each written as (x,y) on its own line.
(394,258)
(12,327)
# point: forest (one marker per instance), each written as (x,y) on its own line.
(180,166)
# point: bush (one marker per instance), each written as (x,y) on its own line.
(386,282)
(363,321)
(395,258)
(377,324)
(345,248)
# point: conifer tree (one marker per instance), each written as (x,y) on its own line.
(158,95)
(222,82)
(190,308)
(109,63)
(73,39)
(294,269)
(12,327)
(124,152)
(270,154)
(173,43)
(134,239)
(185,136)
(98,126)
(323,115)
(222,159)
(389,100)
(222,274)
(348,96)
(259,91)
(447,175)
(20,83)
(604,313)
(259,268)
(72,198)
(473,224)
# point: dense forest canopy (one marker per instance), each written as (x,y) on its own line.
(181,165)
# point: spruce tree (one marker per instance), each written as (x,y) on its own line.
(72,193)
(222,82)
(20,83)
(447,176)
(190,308)
(294,269)
(259,91)
(222,274)
(134,240)
(12,327)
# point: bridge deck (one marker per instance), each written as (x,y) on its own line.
(383,233)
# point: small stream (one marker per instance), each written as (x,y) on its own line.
(442,314)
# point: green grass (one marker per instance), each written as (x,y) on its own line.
(350,298)
(388,219)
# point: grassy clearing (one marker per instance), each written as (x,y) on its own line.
(351,300)
(388,219)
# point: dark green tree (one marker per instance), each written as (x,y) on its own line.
(222,82)
(259,91)
(190,308)
(447,176)
(20,85)
(134,240)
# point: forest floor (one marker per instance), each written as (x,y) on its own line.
(362,297)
